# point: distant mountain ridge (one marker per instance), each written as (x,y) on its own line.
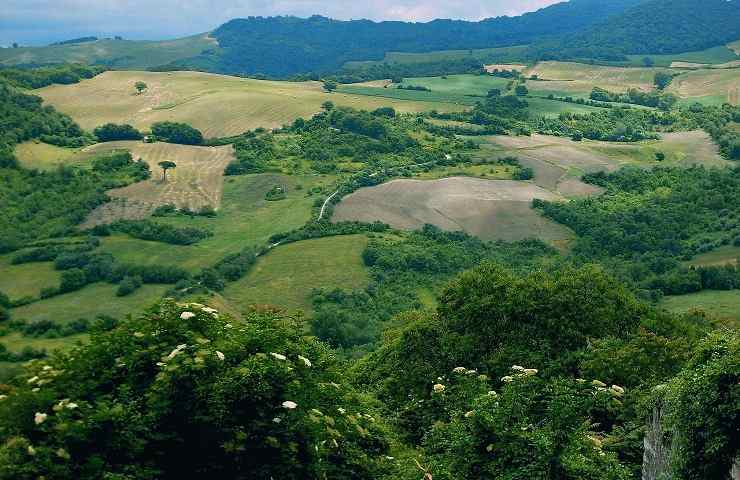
(651,27)
(283,47)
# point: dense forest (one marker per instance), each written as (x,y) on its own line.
(513,376)
(285,46)
(651,27)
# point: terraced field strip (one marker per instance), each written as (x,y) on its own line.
(218,105)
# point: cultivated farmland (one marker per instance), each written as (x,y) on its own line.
(245,218)
(490,209)
(558,162)
(196,182)
(218,105)
(578,79)
(712,87)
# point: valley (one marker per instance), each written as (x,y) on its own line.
(307,248)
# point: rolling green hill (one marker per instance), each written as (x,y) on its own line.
(118,54)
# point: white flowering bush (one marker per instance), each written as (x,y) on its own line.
(528,428)
(182,391)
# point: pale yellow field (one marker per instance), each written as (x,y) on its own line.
(42,156)
(506,67)
(218,105)
(579,77)
(197,180)
(707,83)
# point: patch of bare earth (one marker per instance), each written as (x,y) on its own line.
(196,182)
(489,209)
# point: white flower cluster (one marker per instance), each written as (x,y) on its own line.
(519,372)
(176,351)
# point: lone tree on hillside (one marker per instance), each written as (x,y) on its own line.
(330,85)
(166,165)
(140,87)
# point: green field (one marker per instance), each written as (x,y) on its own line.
(485,55)
(26,280)
(117,54)
(91,301)
(42,156)
(715,55)
(218,105)
(286,276)
(464,90)
(245,219)
(722,305)
(552,108)
(434,100)
(578,79)
(722,256)
(455,84)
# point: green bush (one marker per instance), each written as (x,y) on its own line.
(173,132)
(183,391)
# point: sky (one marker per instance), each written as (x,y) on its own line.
(39,22)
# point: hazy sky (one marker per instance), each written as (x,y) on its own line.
(38,22)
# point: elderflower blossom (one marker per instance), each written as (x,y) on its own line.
(39,418)
(459,370)
(470,414)
(3,397)
(220,355)
(530,372)
(32,380)
(278,356)
(305,361)
(439,388)
(517,368)
(176,351)
(187,315)
(507,379)
(289,405)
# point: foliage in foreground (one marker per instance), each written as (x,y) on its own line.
(181,393)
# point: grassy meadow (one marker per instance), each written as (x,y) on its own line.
(245,219)
(723,306)
(218,105)
(91,301)
(26,280)
(42,156)
(578,79)
(462,90)
(287,274)
(484,55)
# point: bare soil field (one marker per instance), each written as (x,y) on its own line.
(218,105)
(489,209)
(197,181)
